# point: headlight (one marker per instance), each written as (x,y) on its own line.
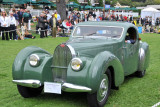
(76,64)
(34,60)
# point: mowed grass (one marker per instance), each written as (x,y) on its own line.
(134,92)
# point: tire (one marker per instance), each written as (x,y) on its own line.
(28,92)
(140,74)
(98,99)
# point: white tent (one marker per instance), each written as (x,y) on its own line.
(150,11)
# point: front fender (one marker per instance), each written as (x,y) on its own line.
(99,66)
(21,69)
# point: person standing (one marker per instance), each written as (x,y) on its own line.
(4,25)
(25,18)
(85,18)
(41,24)
(12,28)
(29,20)
(0,23)
(53,24)
(131,18)
(20,16)
(46,25)
(16,17)
(90,18)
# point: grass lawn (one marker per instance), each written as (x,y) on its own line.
(134,92)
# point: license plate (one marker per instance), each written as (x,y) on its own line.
(50,87)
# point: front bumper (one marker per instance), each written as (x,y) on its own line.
(67,87)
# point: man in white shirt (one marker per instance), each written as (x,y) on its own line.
(48,15)
(12,28)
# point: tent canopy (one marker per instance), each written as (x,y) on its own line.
(98,7)
(149,9)
(19,1)
(44,2)
(88,7)
(133,8)
(73,4)
(151,12)
(52,4)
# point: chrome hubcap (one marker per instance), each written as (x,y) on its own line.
(103,89)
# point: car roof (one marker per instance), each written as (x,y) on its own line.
(107,23)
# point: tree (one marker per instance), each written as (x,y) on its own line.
(111,2)
(74,1)
(139,0)
(156,1)
(89,3)
(125,2)
(101,3)
(149,2)
(61,8)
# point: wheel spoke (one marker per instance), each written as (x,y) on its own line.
(103,89)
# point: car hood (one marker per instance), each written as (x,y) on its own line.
(90,48)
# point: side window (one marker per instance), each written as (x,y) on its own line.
(131,36)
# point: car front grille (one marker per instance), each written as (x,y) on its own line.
(61,59)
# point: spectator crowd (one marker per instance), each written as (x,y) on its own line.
(17,22)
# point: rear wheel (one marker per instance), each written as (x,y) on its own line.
(28,92)
(141,74)
(99,98)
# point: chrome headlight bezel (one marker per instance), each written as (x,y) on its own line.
(76,64)
(34,60)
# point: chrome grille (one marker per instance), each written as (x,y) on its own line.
(61,59)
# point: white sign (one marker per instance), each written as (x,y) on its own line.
(71,2)
(107,6)
(50,87)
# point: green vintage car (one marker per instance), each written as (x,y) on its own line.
(95,59)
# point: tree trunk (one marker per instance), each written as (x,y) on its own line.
(61,8)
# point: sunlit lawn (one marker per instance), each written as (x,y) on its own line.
(134,92)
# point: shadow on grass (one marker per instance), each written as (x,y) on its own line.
(76,99)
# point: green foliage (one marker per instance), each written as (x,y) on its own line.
(133,3)
(101,3)
(149,2)
(89,3)
(125,2)
(111,2)
(74,1)
(156,1)
(138,0)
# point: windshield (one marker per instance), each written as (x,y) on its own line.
(86,31)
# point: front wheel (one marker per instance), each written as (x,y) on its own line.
(99,98)
(28,92)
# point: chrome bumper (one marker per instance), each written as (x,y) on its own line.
(28,83)
(74,88)
(65,86)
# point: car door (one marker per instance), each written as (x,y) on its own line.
(130,52)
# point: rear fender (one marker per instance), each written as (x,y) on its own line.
(144,56)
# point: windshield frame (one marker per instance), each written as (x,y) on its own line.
(96,26)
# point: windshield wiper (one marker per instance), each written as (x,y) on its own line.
(91,34)
(113,36)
